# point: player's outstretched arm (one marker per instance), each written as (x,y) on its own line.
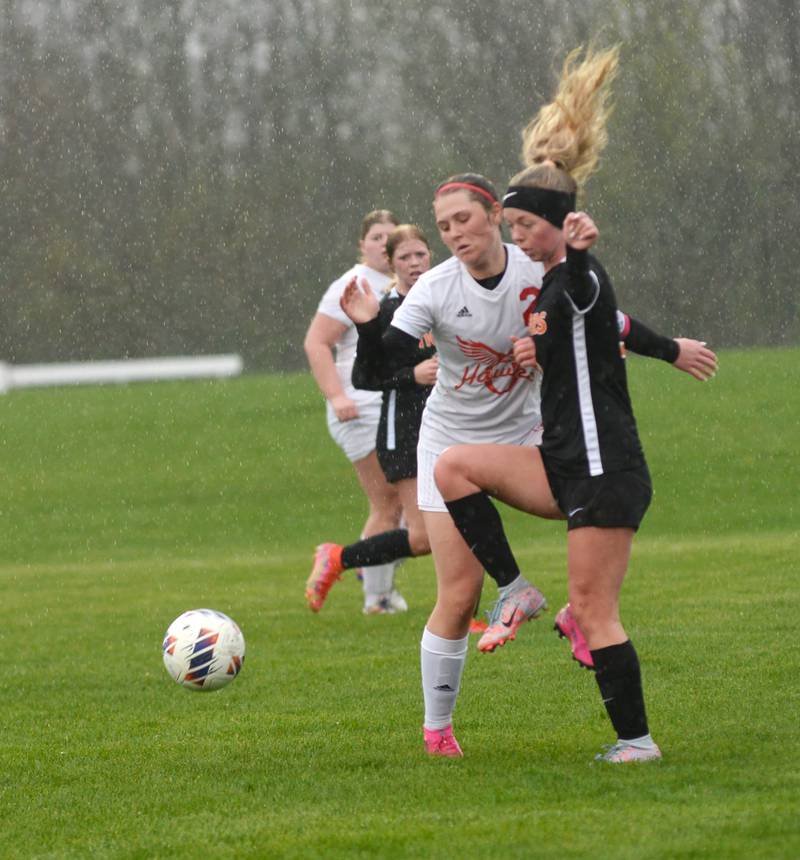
(695,358)
(691,356)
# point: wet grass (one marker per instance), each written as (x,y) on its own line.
(122,507)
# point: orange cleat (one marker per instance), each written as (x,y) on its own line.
(478,625)
(327,570)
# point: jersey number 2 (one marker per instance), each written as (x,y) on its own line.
(526,294)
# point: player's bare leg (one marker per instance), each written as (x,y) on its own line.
(598,561)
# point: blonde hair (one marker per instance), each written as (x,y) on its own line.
(570,132)
(377,216)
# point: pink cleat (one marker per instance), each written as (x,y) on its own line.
(566,625)
(327,570)
(441,742)
(509,614)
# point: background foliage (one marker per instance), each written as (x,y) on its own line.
(187,176)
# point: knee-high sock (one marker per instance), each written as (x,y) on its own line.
(477,520)
(620,681)
(378,549)
(442,662)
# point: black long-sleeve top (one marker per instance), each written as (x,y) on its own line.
(378,368)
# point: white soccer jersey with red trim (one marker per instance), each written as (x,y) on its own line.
(481,395)
(345,352)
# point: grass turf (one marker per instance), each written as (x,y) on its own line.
(122,507)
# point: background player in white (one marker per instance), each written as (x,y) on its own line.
(403,393)
(330,345)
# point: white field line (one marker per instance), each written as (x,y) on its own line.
(543,547)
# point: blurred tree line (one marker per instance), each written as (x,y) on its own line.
(185,177)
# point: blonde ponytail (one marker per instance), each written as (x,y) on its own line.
(571,131)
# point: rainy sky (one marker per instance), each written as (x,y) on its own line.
(187,177)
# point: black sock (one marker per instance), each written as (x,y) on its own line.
(620,681)
(378,549)
(480,525)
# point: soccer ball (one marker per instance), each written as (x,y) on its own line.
(203,649)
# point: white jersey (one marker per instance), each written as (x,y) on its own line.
(481,395)
(345,352)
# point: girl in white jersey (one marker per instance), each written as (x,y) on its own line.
(353,415)
(472,304)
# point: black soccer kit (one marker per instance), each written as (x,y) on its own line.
(590,447)
(403,399)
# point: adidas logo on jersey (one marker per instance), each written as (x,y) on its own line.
(464,312)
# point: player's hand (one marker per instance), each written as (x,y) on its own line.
(580,232)
(695,358)
(425,372)
(524,351)
(359,303)
(344,407)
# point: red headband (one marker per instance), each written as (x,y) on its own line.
(476,188)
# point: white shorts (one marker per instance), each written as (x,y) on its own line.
(428,496)
(357,437)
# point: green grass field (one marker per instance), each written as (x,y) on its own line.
(122,507)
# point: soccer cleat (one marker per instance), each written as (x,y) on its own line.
(327,569)
(397,601)
(509,613)
(478,625)
(377,604)
(385,604)
(566,626)
(378,607)
(441,742)
(623,752)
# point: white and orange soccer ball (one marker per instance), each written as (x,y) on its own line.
(203,649)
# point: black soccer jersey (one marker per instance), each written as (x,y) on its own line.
(589,428)
(403,399)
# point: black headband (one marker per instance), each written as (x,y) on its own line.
(553,206)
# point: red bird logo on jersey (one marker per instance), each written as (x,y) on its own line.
(490,367)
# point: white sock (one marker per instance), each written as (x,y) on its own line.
(519,582)
(378,581)
(442,662)
(645,742)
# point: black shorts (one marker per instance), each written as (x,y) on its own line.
(615,500)
(398,432)
(398,463)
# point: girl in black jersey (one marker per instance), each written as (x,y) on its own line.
(405,390)
(590,465)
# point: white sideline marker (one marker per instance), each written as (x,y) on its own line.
(110,372)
